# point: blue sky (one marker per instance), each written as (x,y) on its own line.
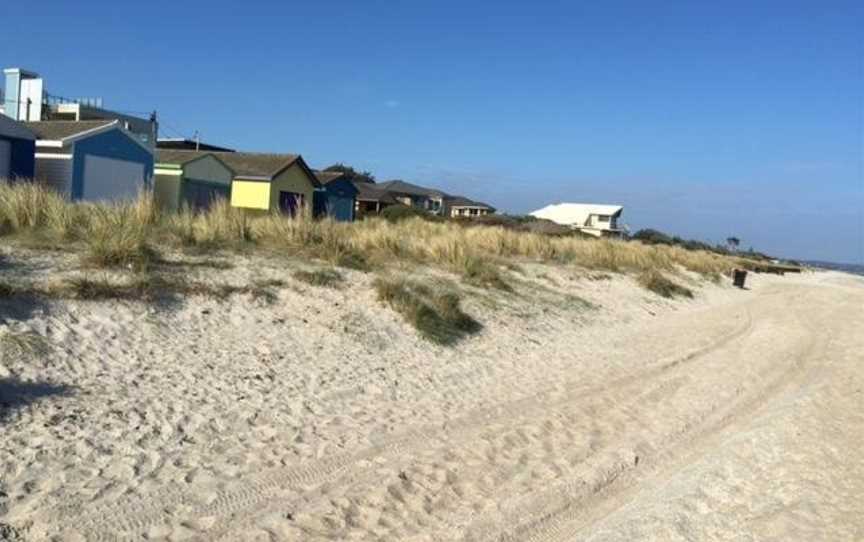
(705,119)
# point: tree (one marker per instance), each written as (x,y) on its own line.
(352,174)
(733,243)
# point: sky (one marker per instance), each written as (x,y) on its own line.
(704,119)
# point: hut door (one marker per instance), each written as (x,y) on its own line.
(289,202)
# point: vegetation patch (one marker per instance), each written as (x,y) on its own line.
(660,285)
(398,213)
(485,274)
(320,277)
(436,315)
(352,259)
(18,345)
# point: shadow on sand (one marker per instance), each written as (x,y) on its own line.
(15,306)
(15,394)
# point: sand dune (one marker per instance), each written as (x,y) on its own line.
(735,416)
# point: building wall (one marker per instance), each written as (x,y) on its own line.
(294,179)
(469,211)
(251,194)
(115,145)
(55,172)
(22,159)
(166,188)
(208,169)
(336,200)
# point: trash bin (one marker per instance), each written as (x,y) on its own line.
(738,277)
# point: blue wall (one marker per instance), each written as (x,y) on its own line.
(23,158)
(111,144)
(337,200)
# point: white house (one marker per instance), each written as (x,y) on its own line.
(593,219)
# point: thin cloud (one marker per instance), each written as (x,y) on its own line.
(392,104)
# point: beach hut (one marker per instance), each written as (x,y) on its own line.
(337,196)
(96,160)
(17,150)
(371,199)
(190,178)
(270,182)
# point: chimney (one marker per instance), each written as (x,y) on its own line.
(23,99)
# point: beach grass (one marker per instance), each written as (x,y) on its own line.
(320,277)
(656,282)
(435,314)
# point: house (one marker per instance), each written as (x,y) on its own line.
(91,160)
(371,199)
(190,178)
(413,195)
(458,206)
(270,182)
(596,220)
(337,196)
(184,144)
(17,150)
(26,99)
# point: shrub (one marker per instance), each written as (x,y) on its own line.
(660,285)
(398,213)
(437,316)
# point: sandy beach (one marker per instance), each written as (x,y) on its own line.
(586,409)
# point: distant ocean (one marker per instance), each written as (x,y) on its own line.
(846,267)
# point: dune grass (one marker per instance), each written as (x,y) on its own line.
(436,315)
(129,234)
(18,345)
(654,281)
(329,278)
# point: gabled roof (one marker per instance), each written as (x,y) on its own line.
(401,187)
(372,192)
(181,143)
(575,214)
(178,157)
(181,157)
(61,130)
(459,201)
(261,165)
(325,177)
(13,128)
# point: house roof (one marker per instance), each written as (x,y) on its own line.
(401,187)
(325,177)
(372,192)
(575,214)
(460,201)
(181,143)
(58,130)
(178,157)
(253,164)
(12,128)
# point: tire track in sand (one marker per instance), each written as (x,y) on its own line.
(134,516)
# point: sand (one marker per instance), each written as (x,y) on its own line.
(738,415)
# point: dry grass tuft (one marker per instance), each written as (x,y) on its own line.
(22,345)
(660,285)
(320,277)
(436,315)
(483,273)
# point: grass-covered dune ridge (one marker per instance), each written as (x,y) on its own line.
(127,234)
